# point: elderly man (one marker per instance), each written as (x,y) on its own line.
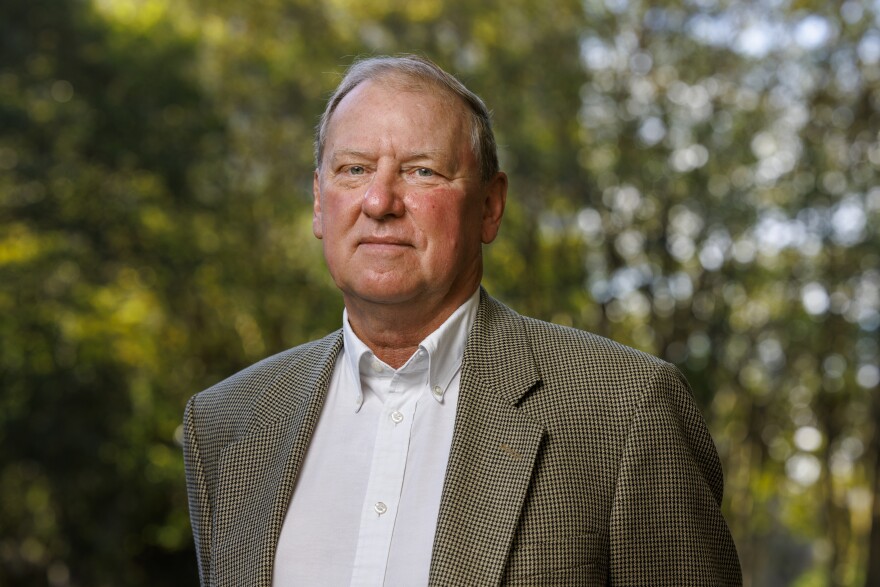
(438,437)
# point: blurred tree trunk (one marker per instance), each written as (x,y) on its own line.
(872,576)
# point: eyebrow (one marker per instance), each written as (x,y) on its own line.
(337,153)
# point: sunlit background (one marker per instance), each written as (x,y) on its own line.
(698,179)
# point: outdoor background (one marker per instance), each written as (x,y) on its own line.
(698,179)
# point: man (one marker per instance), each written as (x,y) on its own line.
(439,437)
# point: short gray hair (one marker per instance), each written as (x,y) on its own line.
(422,72)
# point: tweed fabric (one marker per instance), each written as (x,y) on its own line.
(244,440)
(574,461)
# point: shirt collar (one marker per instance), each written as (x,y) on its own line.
(444,347)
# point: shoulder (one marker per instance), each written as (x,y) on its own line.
(555,343)
(568,354)
(585,368)
(236,397)
(580,366)
(574,371)
(557,349)
(586,383)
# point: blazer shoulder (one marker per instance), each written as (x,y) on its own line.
(234,399)
(550,365)
(553,344)
(561,357)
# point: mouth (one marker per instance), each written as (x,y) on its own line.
(383,247)
(383,242)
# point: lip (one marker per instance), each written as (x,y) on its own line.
(383,241)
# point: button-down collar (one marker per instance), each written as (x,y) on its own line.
(442,350)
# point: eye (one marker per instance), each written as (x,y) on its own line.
(356,170)
(424,172)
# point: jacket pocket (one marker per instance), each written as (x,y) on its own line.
(574,560)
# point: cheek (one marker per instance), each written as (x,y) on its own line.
(439,224)
(453,233)
(441,210)
(338,213)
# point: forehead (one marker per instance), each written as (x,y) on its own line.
(391,99)
(396,82)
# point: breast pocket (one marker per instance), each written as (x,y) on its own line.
(574,560)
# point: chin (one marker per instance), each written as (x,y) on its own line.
(382,293)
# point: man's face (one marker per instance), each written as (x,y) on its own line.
(399,202)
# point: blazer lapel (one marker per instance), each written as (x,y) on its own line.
(257,473)
(493,452)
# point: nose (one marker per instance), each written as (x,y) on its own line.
(383,198)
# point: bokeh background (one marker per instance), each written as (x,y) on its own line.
(695,178)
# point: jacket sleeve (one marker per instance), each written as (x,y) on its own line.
(197,490)
(666,524)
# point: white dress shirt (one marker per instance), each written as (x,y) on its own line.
(364,510)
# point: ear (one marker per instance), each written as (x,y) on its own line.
(493,206)
(317,223)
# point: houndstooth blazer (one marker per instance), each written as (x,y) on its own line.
(575,461)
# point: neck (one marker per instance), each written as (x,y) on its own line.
(394,332)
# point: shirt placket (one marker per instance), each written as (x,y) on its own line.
(382,498)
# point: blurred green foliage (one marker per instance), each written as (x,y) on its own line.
(696,178)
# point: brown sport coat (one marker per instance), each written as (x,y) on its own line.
(574,461)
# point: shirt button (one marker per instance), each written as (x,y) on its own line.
(437,391)
(396,417)
(380,508)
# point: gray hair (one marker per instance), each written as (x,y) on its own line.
(422,73)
